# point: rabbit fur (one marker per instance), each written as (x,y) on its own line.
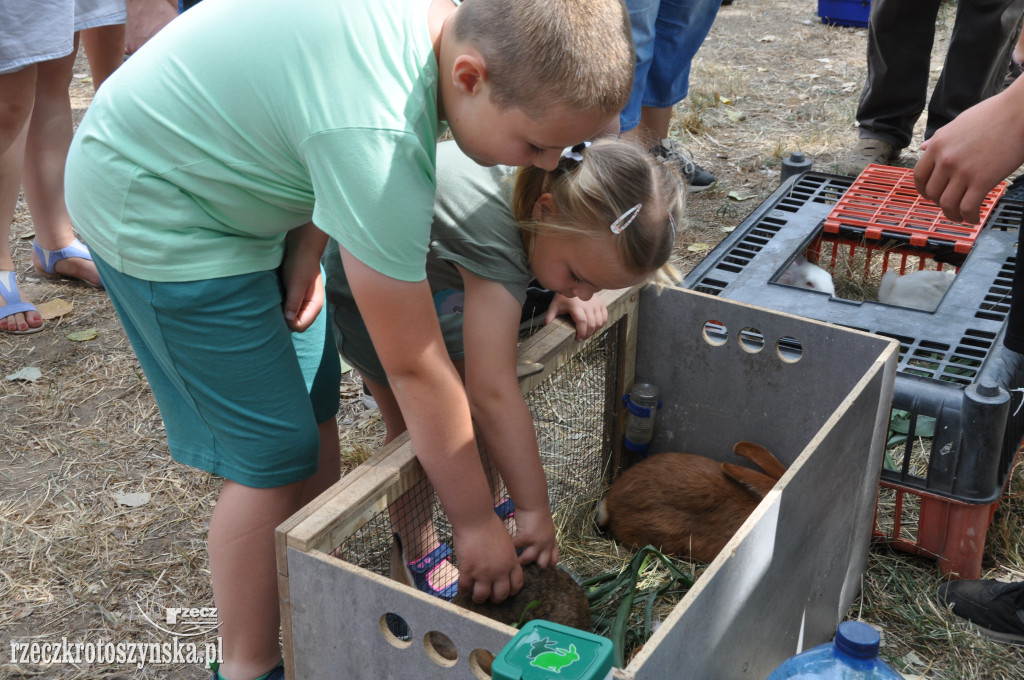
(921,289)
(803,274)
(557,596)
(685,504)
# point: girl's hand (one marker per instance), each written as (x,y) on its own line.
(488,567)
(535,534)
(588,315)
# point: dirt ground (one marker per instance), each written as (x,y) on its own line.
(101,532)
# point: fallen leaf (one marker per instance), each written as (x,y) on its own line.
(734,195)
(55,308)
(699,247)
(29,373)
(82,336)
(724,100)
(132,500)
(735,116)
(767,38)
(728,230)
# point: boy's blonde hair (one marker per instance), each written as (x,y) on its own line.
(539,53)
(614,176)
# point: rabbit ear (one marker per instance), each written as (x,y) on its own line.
(756,482)
(762,457)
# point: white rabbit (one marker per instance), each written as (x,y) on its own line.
(921,289)
(803,274)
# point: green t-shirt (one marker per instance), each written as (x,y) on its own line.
(473,227)
(243,119)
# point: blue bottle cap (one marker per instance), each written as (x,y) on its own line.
(858,639)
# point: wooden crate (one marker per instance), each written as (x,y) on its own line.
(817,395)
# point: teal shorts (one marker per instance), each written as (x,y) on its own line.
(240,394)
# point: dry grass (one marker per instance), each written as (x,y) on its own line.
(770,79)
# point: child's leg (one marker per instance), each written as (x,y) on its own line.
(197,343)
(411,512)
(104,48)
(328,470)
(46,151)
(241,541)
(17,91)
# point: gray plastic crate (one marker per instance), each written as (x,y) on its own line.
(952,367)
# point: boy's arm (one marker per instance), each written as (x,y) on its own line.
(490,333)
(588,315)
(403,325)
(971,154)
(304,289)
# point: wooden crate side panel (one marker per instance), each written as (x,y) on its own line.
(714,396)
(336,623)
(795,565)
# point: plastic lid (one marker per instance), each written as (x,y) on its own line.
(858,639)
(644,394)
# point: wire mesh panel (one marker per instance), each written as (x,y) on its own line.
(574,437)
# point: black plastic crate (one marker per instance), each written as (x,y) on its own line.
(942,353)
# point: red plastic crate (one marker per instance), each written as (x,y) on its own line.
(883,202)
(948,530)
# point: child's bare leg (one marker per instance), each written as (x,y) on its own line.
(46,151)
(328,469)
(104,48)
(17,91)
(410,512)
(244,574)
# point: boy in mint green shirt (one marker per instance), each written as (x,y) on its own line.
(206,177)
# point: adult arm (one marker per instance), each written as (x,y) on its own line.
(145,18)
(968,156)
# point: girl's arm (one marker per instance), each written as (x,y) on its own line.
(304,289)
(490,333)
(403,325)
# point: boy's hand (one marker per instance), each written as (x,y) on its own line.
(535,534)
(303,287)
(488,566)
(588,315)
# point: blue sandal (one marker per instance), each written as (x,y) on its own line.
(50,258)
(424,567)
(10,298)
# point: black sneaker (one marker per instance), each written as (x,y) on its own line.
(696,177)
(995,608)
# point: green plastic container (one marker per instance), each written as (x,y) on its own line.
(543,650)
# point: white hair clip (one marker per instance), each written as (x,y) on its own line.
(575,153)
(626,218)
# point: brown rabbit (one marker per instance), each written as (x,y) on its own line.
(557,596)
(685,504)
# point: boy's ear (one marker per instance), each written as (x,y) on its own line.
(543,207)
(469,72)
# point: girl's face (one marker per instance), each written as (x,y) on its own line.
(578,265)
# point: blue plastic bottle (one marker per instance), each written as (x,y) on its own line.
(853,655)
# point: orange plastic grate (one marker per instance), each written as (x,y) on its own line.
(883,202)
